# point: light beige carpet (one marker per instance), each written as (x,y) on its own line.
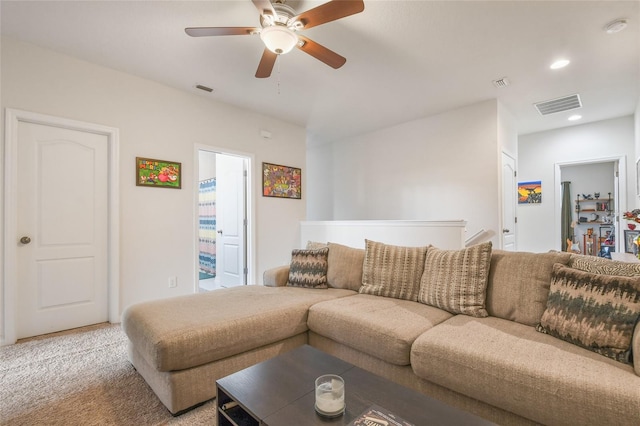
(81,378)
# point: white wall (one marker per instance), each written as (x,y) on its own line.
(158,226)
(537,158)
(443,167)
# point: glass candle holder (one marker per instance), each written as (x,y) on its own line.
(330,395)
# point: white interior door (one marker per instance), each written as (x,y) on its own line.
(509,189)
(62,205)
(231,220)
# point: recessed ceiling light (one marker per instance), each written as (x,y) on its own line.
(574,117)
(615,26)
(559,64)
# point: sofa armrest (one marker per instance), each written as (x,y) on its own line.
(635,348)
(276,277)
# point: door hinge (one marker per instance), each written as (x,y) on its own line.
(244,222)
(617,173)
(515,173)
(246,271)
(515,219)
(245,174)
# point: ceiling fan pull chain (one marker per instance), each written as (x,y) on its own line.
(279,76)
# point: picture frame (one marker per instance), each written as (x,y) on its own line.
(281,181)
(530,192)
(629,237)
(158,173)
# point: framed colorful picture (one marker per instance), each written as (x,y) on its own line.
(530,192)
(629,240)
(158,173)
(281,181)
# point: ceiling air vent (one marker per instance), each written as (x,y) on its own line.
(502,82)
(565,103)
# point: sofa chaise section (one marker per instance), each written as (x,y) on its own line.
(182,336)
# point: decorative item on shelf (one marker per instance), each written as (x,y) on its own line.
(596,194)
(631,226)
(587,196)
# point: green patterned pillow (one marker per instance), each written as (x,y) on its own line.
(392,271)
(309,268)
(595,311)
(456,280)
(600,265)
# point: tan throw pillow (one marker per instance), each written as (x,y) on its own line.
(314,245)
(392,271)
(456,280)
(345,267)
(595,311)
(308,268)
(518,284)
(600,265)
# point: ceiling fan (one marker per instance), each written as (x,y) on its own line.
(280,27)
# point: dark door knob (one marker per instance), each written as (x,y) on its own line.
(25,240)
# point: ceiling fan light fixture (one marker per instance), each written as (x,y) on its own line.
(279,39)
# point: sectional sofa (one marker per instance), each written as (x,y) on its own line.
(514,337)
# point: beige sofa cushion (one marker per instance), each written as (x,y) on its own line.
(519,284)
(345,267)
(510,365)
(600,265)
(598,312)
(187,331)
(383,327)
(392,271)
(456,280)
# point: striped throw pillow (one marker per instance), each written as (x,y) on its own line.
(392,271)
(456,280)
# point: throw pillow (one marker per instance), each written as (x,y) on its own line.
(600,265)
(308,268)
(518,285)
(456,280)
(314,245)
(392,271)
(345,267)
(597,312)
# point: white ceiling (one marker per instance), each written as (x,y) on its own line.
(405,59)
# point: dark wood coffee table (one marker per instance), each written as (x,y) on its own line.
(280,392)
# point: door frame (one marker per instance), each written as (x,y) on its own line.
(515,201)
(620,200)
(9,257)
(250,237)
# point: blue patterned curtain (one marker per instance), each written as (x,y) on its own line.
(207,232)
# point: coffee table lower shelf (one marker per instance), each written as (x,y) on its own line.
(235,415)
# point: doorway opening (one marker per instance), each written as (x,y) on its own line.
(224,228)
(597,191)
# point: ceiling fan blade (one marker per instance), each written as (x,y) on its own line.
(265,7)
(266,64)
(321,53)
(220,31)
(330,11)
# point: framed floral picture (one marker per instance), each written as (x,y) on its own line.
(158,173)
(281,181)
